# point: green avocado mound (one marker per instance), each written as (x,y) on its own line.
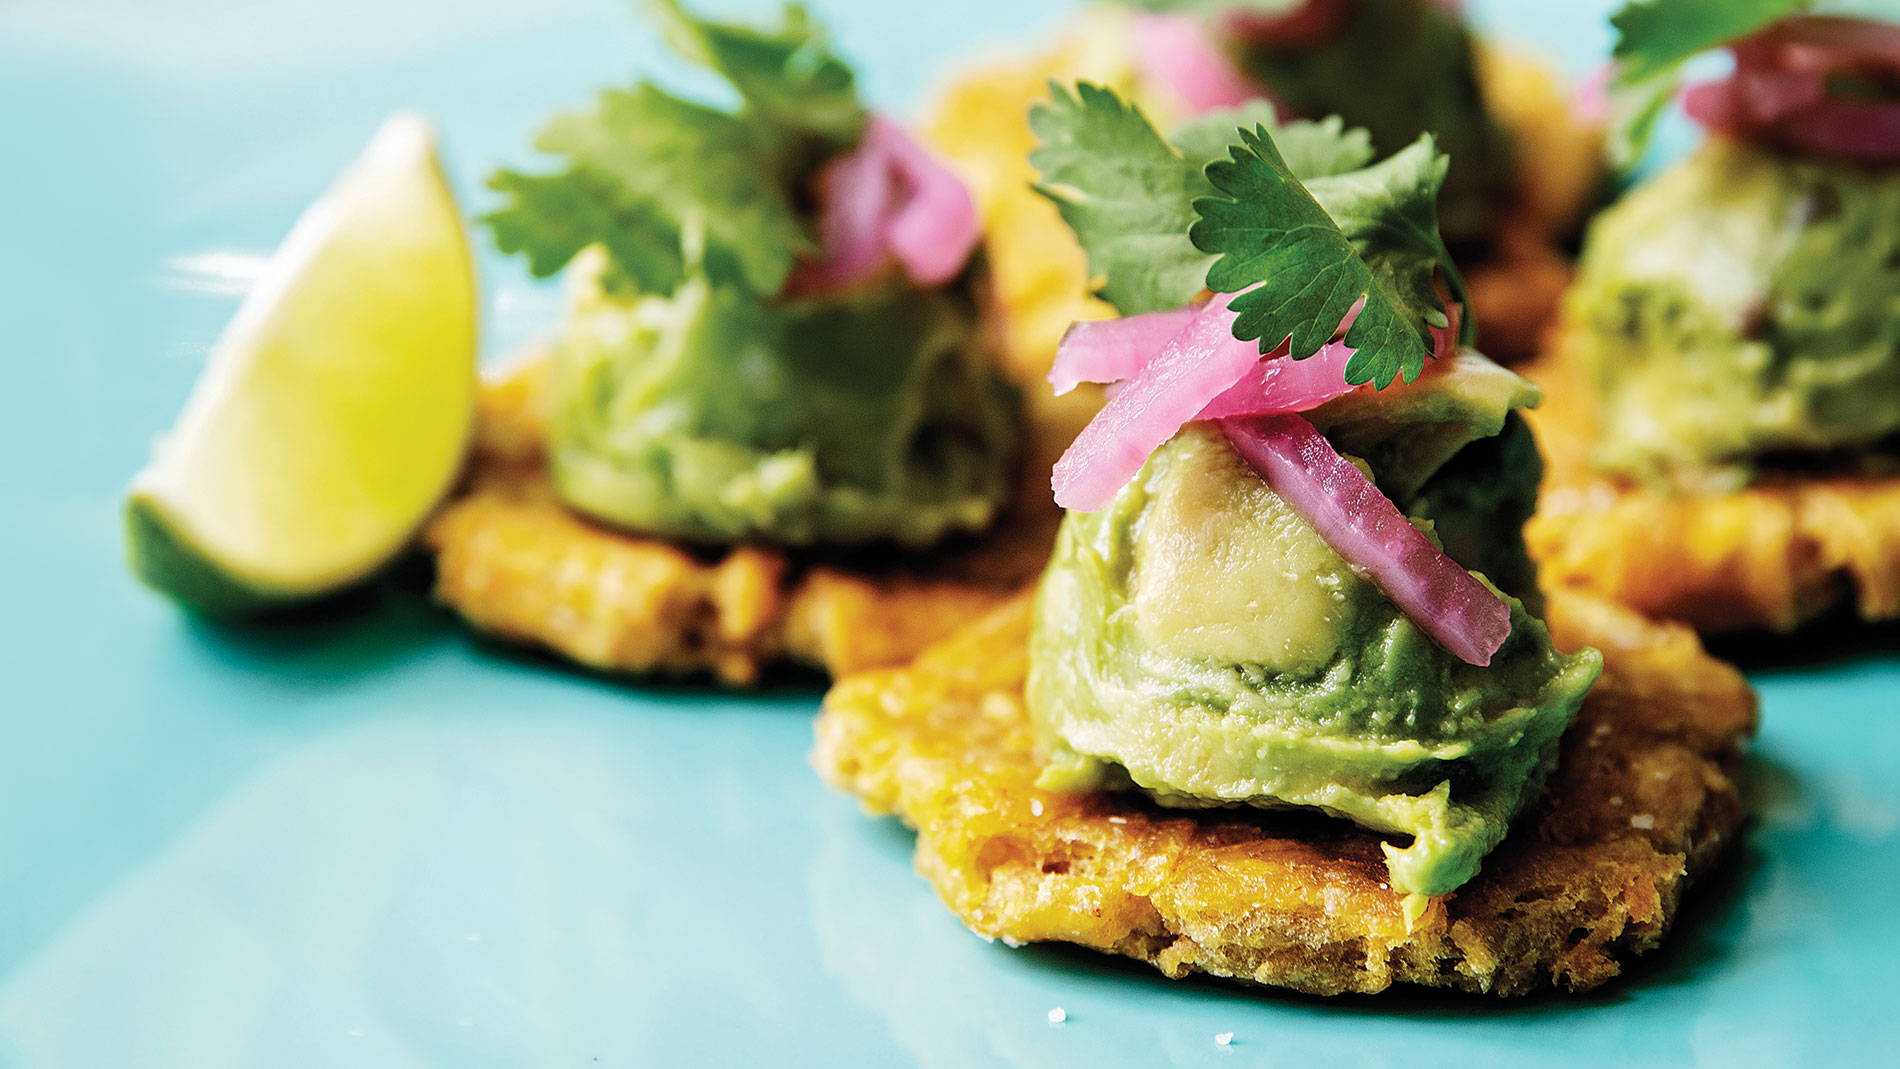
(691,395)
(1198,640)
(1741,308)
(711,416)
(1400,68)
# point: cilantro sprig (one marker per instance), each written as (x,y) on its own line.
(788,77)
(1128,193)
(1654,39)
(1289,213)
(1312,149)
(668,186)
(1309,256)
(1125,192)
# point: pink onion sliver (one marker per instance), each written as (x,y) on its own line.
(1864,130)
(1859,39)
(1363,526)
(886,199)
(1107,350)
(1769,94)
(1714,105)
(1591,98)
(934,228)
(1282,384)
(1278,383)
(1778,94)
(1177,52)
(854,196)
(1193,368)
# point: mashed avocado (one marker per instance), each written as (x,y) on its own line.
(1400,68)
(1199,640)
(1742,305)
(711,416)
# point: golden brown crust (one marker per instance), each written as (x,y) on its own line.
(1772,555)
(517,564)
(1643,801)
(980,122)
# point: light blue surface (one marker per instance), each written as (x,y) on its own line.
(371,841)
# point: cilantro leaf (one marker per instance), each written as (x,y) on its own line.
(1205,137)
(1132,200)
(1270,233)
(1125,192)
(669,186)
(787,77)
(1654,39)
(1389,211)
(1128,193)
(1315,149)
(1311,149)
(666,166)
(553,217)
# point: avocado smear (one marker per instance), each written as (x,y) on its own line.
(1400,68)
(1742,308)
(711,416)
(1198,640)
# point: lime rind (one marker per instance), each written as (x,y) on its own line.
(337,407)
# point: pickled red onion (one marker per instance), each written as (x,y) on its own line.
(934,228)
(1591,98)
(854,197)
(1364,527)
(1220,374)
(1193,368)
(1107,350)
(1281,384)
(887,200)
(1778,94)
(1178,52)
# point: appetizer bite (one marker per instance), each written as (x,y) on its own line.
(1723,446)
(1524,165)
(1285,687)
(773,371)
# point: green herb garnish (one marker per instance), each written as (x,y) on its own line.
(1311,253)
(1128,193)
(1311,149)
(668,186)
(1654,39)
(1223,208)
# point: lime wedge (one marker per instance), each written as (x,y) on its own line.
(336,407)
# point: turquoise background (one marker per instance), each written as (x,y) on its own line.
(371,840)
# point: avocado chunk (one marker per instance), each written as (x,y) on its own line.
(1740,307)
(711,416)
(1198,640)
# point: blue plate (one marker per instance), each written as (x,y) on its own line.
(371,840)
